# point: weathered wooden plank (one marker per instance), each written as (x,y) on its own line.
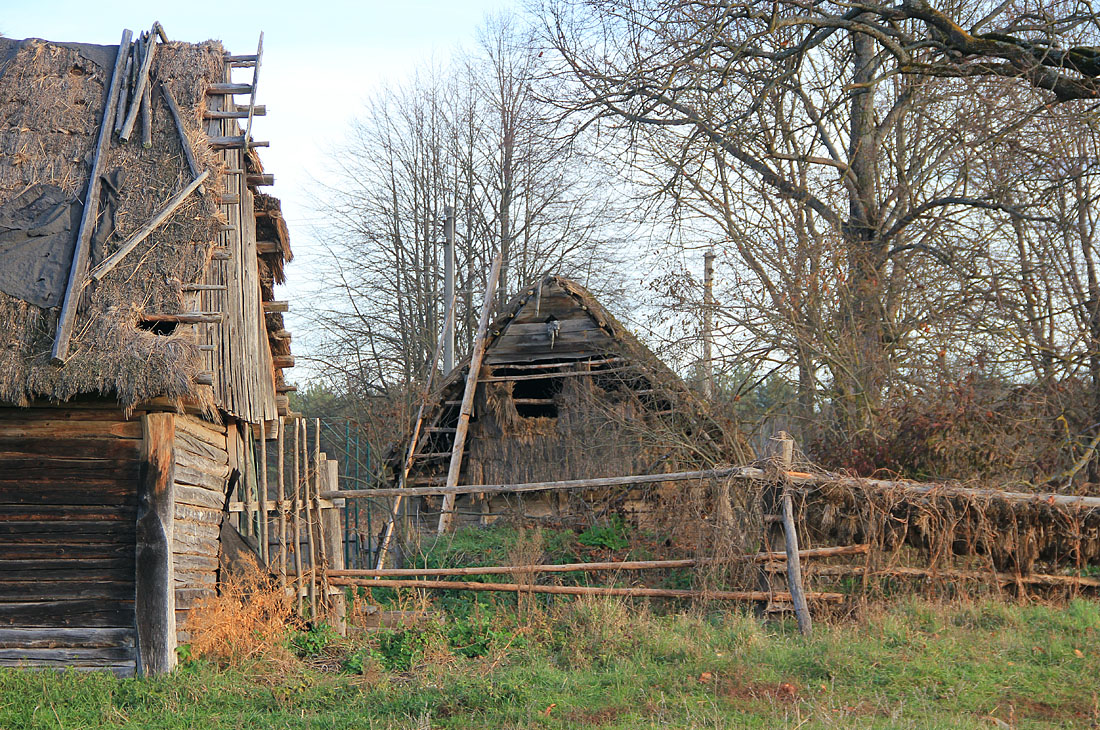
(54,613)
(189,563)
(68,429)
(23,470)
(196,544)
(198,529)
(68,551)
(201,463)
(33,513)
(19,591)
(71,448)
(212,433)
(155,609)
(50,637)
(104,411)
(80,572)
(189,444)
(190,513)
(63,656)
(198,496)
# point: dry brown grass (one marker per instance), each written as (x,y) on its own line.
(247,620)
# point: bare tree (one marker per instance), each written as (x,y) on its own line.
(472,134)
(837,153)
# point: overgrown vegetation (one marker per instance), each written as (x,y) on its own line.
(582,664)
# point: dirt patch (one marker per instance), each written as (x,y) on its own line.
(1025,707)
(735,689)
(596,718)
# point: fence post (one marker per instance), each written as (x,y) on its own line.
(784,458)
(334,537)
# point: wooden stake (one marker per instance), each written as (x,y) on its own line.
(82,252)
(265,547)
(334,538)
(177,119)
(309,523)
(297,522)
(147,117)
(477,352)
(282,507)
(583,590)
(318,473)
(139,89)
(120,109)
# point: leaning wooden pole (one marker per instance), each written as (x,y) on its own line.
(476,354)
(784,458)
(440,344)
(83,251)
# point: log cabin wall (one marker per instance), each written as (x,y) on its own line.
(68,505)
(201,480)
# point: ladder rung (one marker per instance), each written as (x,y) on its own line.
(257,111)
(226,89)
(225,143)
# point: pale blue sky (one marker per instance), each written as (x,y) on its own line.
(321,60)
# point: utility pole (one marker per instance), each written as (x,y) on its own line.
(448,287)
(708,323)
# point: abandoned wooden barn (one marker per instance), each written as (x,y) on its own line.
(565,392)
(139,343)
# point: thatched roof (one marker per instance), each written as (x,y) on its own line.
(585,333)
(51,104)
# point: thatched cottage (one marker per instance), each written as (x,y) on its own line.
(139,343)
(565,392)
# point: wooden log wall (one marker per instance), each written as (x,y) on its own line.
(68,494)
(201,479)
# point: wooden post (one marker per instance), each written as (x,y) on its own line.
(319,460)
(784,460)
(82,253)
(154,582)
(265,548)
(309,522)
(248,509)
(282,508)
(476,355)
(139,88)
(334,538)
(297,519)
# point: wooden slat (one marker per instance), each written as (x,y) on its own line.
(46,638)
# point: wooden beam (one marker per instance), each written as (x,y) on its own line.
(255,82)
(266,247)
(184,318)
(604,566)
(154,582)
(286,388)
(234,142)
(259,111)
(273,307)
(282,334)
(139,88)
(762,596)
(260,180)
(177,119)
(477,352)
(162,215)
(283,361)
(225,89)
(82,252)
(1038,579)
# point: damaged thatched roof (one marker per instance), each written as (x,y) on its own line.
(52,99)
(556,327)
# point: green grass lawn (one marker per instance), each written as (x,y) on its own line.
(610,664)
